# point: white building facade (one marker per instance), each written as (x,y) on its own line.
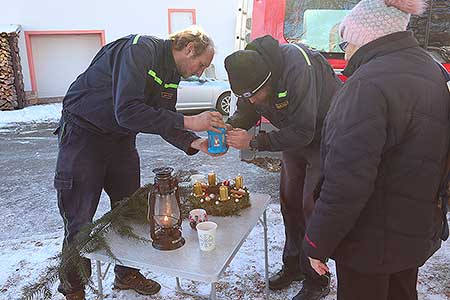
(59,38)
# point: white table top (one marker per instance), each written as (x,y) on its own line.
(189,262)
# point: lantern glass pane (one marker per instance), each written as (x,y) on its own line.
(167,212)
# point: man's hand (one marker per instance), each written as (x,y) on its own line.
(239,138)
(205,121)
(319,266)
(202,145)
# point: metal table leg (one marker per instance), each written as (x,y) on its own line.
(99,280)
(212,295)
(266,256)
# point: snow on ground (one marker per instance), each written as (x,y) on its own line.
(24,260)
(31,114)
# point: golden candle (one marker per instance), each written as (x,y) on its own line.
(198,189)
(239,181)
(223,193)
(211,179)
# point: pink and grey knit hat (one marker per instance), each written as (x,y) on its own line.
(372,19)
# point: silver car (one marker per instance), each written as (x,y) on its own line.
(201,93)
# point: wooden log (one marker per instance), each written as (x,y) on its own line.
(17,72)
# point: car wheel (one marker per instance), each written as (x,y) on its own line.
(223,104)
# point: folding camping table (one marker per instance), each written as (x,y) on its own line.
(188,262)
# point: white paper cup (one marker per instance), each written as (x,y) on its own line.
(198,177)
(207,235)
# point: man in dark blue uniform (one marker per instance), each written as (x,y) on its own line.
(292,87)
(129,87)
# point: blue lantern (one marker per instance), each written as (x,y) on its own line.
(216,141)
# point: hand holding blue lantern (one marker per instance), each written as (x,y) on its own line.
(217,142)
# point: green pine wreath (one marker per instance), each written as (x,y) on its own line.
(215,207)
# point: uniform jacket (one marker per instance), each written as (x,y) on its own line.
(130,87)
(304,86)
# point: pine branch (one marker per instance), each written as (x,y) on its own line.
(91,238)
(42,288)
(124,229)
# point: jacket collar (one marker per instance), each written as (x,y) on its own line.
(382,46)
(169,61)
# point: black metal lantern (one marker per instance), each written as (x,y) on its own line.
(164,213)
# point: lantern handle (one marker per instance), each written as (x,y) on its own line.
(151,212)
(177,196)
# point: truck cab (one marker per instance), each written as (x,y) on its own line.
(316,24)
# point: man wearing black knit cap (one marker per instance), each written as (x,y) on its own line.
(292,87)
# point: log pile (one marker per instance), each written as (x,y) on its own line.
(11,79)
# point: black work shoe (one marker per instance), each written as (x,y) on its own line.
(137,282)
(284,278)
(311,291)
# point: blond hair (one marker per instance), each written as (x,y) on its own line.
(194,34)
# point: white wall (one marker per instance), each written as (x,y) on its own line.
(119,18)
(58,59)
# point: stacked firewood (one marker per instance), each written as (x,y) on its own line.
(11,79)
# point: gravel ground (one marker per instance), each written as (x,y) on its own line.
(31,234)
(27,162)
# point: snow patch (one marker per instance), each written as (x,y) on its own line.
(25,259)
(31,114)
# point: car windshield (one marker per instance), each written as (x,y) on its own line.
(316,23)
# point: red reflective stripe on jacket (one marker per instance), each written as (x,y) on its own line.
(310,242)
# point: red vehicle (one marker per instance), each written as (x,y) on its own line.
(316,24)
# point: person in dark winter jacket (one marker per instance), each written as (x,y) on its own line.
(292,87)
(384,148)
(129,87)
